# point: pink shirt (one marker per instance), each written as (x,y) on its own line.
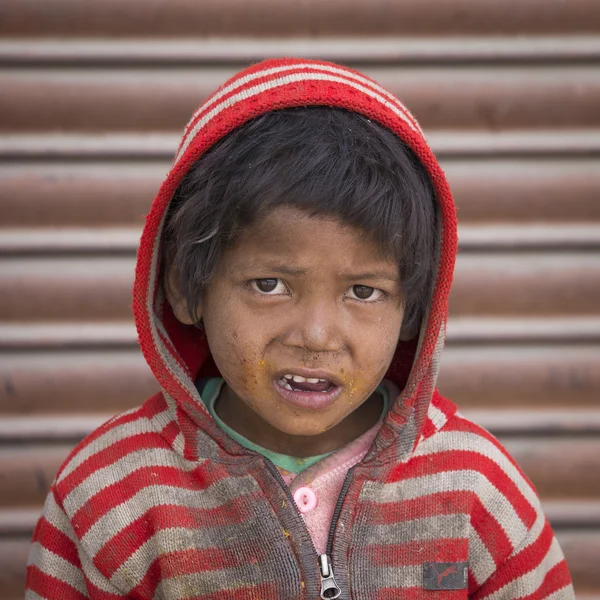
(316,489)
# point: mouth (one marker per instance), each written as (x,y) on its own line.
(298,383)
(308,390)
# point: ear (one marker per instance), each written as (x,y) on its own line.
(176,299)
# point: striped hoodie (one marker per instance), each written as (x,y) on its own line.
(160,503)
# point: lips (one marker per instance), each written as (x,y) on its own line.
(308,390)
(298,383)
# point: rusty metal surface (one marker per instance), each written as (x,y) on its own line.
(163,99)
(537,376)
(93,98)
(275,18)
(500,283)
(352,49)
(74,382)
(99,194)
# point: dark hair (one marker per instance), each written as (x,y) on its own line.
(326,161)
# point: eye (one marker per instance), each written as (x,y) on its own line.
(365,293)
(268,286)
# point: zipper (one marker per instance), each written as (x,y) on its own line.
(329,587)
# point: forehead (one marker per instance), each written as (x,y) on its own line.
(296,237)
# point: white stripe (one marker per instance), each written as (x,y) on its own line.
(175,539)
(117,434)
(95,577)
(207,583)
(30,595)
(116,472)
(566,593)
(262,87)
(481,562)
(57,518)
(454,526)
(242,81)
(533,534)
(530,582)
(462,441)
(438,418)
(453,481)
(153,496)
(393,577)
(56,566)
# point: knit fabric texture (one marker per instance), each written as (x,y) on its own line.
(160,503)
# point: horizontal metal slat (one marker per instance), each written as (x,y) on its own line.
(97,100)
(357,50)
(70,240)
(71,18)
(536,376)
(486,284)
(118,194)
(475,377)
(465,144)
(79,382)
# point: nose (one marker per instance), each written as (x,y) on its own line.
(317,326)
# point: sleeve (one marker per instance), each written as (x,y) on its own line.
(54,568)
(536,570)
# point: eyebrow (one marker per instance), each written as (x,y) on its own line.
(373,275)
(287,270)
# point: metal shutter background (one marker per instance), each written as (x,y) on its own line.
(93,96)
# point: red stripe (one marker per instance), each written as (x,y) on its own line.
(556,579)
(56,541)
(491,533)
(189,562)
(97,433)
(456,460)
(414,552)
(119,548)
(49,587)
(110,455)
(120,491)
(462,424)
(440,503)
(527,560)
(315,68)
(418,593)
(153,406)
(250,592)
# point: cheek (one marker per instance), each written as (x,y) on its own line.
(237,349)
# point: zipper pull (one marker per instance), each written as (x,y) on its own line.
(329,588)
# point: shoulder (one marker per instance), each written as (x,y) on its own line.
(114,451)
(503,505)
(462,442)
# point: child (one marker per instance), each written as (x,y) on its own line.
(291,299)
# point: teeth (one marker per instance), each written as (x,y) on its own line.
(284,383)
(299,379)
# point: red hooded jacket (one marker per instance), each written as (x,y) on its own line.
(160,503)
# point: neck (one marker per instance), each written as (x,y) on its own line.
(241,418)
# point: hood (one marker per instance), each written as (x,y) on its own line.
(179,354)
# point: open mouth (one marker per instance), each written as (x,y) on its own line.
(297,383)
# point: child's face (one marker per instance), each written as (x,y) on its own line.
(303,297)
